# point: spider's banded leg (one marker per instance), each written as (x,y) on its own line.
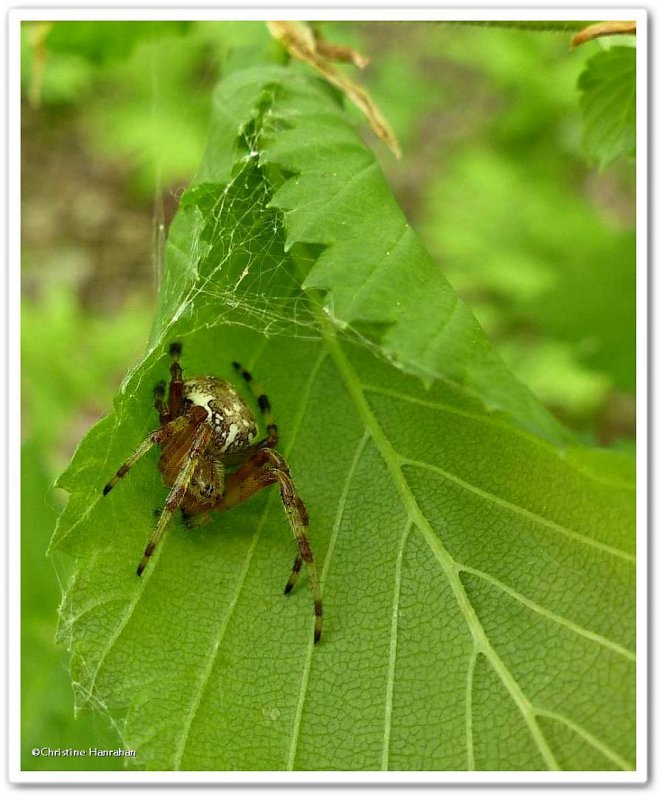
(160,405)
(156,437)
(293,577)
(263,468)
(177,493)
(176,385)
(263,404)
(298,520)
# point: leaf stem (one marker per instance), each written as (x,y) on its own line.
(537,26)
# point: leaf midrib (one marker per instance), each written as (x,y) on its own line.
(444,558)
(452,569)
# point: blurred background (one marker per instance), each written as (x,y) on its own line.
(494,178)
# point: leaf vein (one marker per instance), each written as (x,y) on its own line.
(583,733)
(471,765)
(341,505)
(492,422)
(392,653)
(219,638)
(580,537)
(545,612)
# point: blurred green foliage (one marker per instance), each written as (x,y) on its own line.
(114,41)
(141,91)
(47,715)
(65,386)
(537,242)
(496,178)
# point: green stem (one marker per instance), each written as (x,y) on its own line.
(541,26)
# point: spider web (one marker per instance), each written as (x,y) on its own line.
(237,269)
(227,260)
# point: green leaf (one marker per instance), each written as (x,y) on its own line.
(478,579)
(608,104)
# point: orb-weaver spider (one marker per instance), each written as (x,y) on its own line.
(206,427)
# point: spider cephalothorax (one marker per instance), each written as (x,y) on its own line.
(206,428)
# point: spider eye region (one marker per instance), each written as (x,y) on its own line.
(231,418)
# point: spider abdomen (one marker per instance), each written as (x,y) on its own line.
(230,417)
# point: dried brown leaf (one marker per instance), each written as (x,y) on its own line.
(302,43)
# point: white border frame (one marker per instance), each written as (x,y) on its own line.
(368,12)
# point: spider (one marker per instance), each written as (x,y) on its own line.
(205,428)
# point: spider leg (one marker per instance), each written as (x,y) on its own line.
(261,469)
(293,577)
(156,437)
(178,491)
(177,383)
(263,404)
(160,405)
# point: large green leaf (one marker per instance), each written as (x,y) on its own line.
(478,579)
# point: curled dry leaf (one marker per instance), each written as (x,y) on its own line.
(603,29)
(339,52)
(302,43)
